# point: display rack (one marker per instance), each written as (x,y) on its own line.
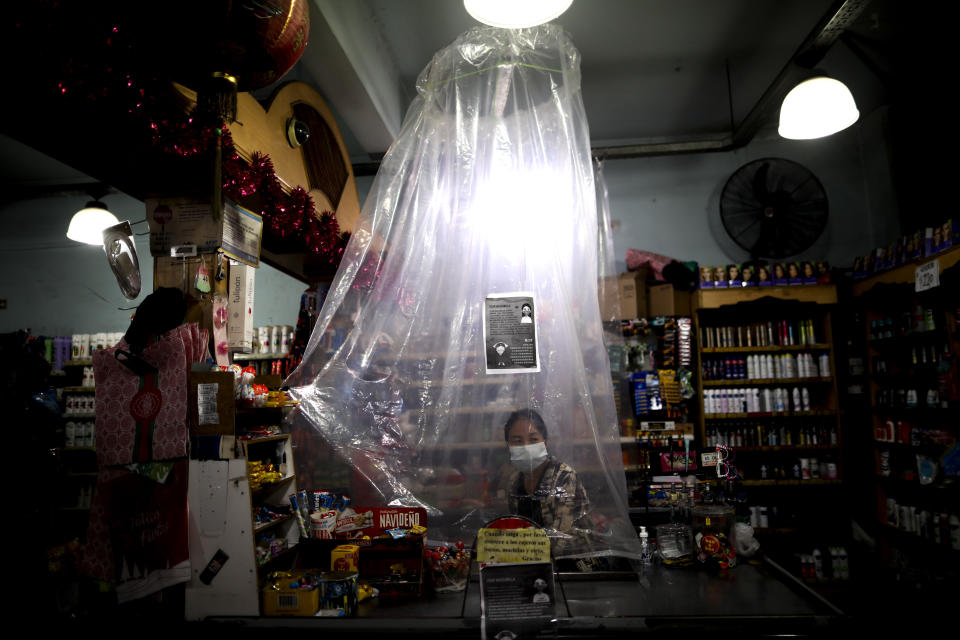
(912,346)
(769,393)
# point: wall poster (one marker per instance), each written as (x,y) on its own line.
(510,333)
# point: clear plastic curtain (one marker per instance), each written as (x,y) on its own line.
(485,199)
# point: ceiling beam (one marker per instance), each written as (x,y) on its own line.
(348,60)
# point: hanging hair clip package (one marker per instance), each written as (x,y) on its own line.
(467,298)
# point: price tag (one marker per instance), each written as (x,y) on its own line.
(927,276)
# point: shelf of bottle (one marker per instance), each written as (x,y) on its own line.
(918,541)
(785,447)
(909,446)
(913,483)
(765,381)
(80,416)
(76,449)
(923,413)
(768,414)
(809,482)
(79,389)
(924,338)
(768,349)
(78,363)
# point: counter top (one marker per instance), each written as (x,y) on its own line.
(758,596)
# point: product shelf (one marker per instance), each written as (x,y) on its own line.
(266,489)
(260,356)
(792,482)
(273,523)
(766,381)
(79,389)
(768,349)
(768,415)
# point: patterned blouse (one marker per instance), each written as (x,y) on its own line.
(559,503)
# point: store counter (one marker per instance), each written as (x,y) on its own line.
(752,599)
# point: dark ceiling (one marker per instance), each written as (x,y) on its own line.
(658,77)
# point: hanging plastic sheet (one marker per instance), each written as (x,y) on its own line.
(468,291)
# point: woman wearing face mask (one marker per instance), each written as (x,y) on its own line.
(542,488)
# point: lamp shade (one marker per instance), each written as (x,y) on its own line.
(515,14)
(87,225)
(816,108)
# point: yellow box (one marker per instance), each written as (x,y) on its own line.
(280,600)
(345,557)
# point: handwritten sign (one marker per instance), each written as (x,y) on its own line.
(512,545)
(927,276)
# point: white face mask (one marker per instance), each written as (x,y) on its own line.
(529,456)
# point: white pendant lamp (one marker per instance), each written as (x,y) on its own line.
(816,108)
(515,14)
(87,225)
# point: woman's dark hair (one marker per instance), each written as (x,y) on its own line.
(525,414)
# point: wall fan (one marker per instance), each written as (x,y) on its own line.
(773,208)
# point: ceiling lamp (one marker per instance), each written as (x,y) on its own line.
(87,225)
(515,14)
(816,108)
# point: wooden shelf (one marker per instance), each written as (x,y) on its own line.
(273,523)
(78,363)
(286,553)
(264,489)
(279,436)
(260,356)
(811,482)
(766,415)
(906,273)
(716,298)
(764,381)
(79,389)
(79,416)
(789,447)
(768,349)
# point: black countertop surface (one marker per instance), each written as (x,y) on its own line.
(757,599)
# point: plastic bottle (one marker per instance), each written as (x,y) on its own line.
(646,553)
(818,564)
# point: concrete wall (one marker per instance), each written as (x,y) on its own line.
(54,286)
(670,205)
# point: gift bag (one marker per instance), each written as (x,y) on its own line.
(137,537)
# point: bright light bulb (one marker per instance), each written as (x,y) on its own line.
(87,225)
(515,14)
(816,108)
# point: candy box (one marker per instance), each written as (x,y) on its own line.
(345,557)
(280,598)
(311,593)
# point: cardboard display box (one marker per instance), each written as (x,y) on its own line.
(664,300)
(393,565)
(240,307)
(211,403)
(632,286)
(187,226)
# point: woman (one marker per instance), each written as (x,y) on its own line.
(763,274)
(542,488)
